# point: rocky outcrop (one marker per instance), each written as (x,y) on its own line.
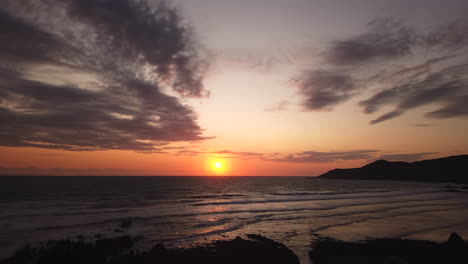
(449,169)
(327,251)
(119,250)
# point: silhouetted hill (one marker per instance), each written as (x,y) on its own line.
(449,169)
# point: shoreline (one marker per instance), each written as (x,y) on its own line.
(252,248)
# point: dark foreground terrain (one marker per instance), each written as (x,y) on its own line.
(255,249)
(119,250)
(390,251)
(449,169)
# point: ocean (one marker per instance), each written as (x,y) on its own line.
(187,211)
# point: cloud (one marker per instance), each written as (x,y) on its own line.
(187,152)
(423,125)
(444,87)
(401,67)
(324,157)
(453,35)
(301,157)
(455,107)
(324,89)
(385,39)
(386,117)
(405,157)
(32,171)
(95,75)
(309,156)
(228,154)
(281,106)
(237,155)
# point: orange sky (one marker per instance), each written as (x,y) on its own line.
(274,88)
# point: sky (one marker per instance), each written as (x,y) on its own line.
(264,87)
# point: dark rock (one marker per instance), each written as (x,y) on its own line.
(327,250)
(118,230)
(118,250)
(158,249)
(455,239)
(139,238)
(126,224)
(115,245)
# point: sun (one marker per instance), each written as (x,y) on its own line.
(217,165)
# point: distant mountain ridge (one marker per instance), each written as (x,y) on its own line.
(448,169)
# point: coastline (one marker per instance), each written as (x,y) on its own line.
(252,248)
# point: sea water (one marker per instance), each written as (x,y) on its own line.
(188,211)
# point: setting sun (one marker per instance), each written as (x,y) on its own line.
(218,166)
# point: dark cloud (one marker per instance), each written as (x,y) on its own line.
(404,68)
(382,98)
(324,89)
(25,43)
(445,87)
(425,96)
(155,36)
(323,157)
(405,157)
(385,39)
(109,66)
(453,35)
(418,70)
(386,117)
(456,107)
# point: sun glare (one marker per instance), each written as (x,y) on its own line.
(218,165)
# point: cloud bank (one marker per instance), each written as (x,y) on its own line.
(402,67)
(309,156)
(94,75)
(324,157)
(405,157)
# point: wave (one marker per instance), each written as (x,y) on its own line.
(319,198)
(271,212)
(207,196)
(12,216)
(380,217)
(198,235)
(213,223)
(253,221)
(384,210)
(133,204)
(406,234)
(328,192)
(198,202)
